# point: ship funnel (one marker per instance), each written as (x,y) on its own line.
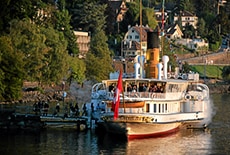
(152,54)
(159,67)
(165,60)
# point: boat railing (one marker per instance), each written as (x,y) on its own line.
(148,95)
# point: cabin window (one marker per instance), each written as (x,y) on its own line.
(154,108)
(157,87)
(166,108)
(143,87)
(159,110)
(175,87)
(163,110)
(112,87)
(131,87)
(147,107)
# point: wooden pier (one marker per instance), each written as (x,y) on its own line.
(11,120)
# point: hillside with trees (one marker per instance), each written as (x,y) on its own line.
(37,42)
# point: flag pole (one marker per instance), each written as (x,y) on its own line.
(123,98)
(118,91)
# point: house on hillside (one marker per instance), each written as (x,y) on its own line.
(187,18)
(195,44)
(118,9)
(83,41)
(169,6)
(173,31)
(130,45)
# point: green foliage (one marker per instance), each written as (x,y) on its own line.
(55,64)
(149,18)
(77,70)
(98,60)
(36,54)
(202,27)
(62,24)
(166,51)
(31,44)
(214,46)
(87,15)
(11,69)
(209,71)
(226,73)
(13,9)
(43,51)
(186,67)
(132,16)
(189,31)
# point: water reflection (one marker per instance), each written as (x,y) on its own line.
(68,142)
(183,142)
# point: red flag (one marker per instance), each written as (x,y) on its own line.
(116,100)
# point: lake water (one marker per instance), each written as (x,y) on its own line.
(215,140)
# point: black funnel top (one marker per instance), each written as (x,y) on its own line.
(152,40)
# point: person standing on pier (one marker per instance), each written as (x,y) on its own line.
(57,109)
(76,110)
(84,110)
(46,108)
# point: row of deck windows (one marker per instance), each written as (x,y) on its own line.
(161,108)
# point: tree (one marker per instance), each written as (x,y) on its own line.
(55,60)
(43,50)
(149,18)
(131,17)
(165,43)
(11,70)
(31,44)
(14,9)
(77,70)
(202,31)
(226,73)
(186,67)
(87,15)
(189,31)
(62,23)
(98,60)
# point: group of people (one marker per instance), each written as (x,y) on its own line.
(72,111)
(69,110)
(99,108)
(41,107)
(156,88)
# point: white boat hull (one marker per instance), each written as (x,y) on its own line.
(144,114)
(136,130)
(146,126)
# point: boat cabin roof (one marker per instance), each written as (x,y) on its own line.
(147,80)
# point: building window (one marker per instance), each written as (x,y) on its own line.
(136,37)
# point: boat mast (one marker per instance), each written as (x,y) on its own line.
(162,27)
(141,63)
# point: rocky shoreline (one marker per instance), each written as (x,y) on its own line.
(81,93)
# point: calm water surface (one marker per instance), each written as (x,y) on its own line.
(216,140)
